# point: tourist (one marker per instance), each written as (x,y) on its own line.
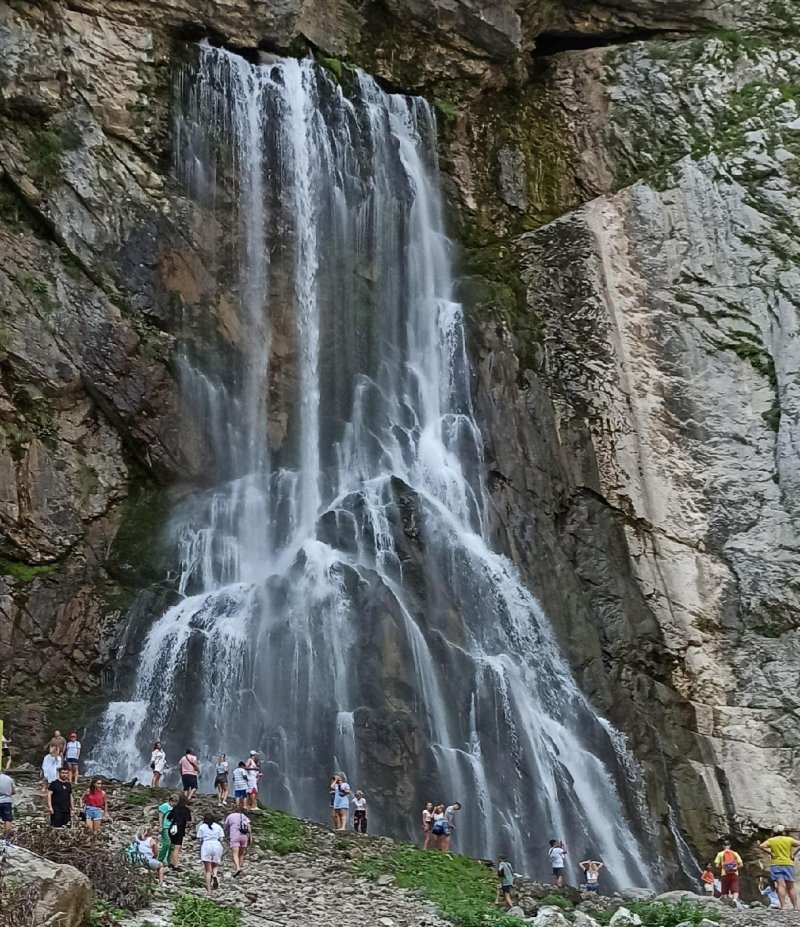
(190,770)
(221,780)
(360,813)
(341,802)
(591,869)
(51,765)
(179,819)
(439,827)
(450,817)
(767,891)
(427,822)
(729,863)
(72,755)
(253,775)
(781,871)
(164,844)
(557,854)
(59,799)
(505,881)
(56,745)
(158,762)
(240,785)
(94,805)
(210,835)
(7,790)
(148,850)
(238,829)
(708,880)
(6,752)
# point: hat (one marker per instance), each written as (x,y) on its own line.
(726,842)
(254,753)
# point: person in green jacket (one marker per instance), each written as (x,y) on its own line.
(164,845)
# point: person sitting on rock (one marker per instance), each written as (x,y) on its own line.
(591,869)
(505,881)
(729,863)
(147,848)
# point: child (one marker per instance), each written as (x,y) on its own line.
(708,880)
(360,813)
(767,891)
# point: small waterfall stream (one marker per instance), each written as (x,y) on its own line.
(339,603)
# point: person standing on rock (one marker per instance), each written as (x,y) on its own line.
(781,849)
(239,830)
(729,863)
(59,799)
(210,835)
(558,856)
(221,780)
(341,802)
(72,756)
(179,819)
(360,813)
(708,880)
(158,763)
(240,785)
(164,844)
(56,745)
(190,770)
(253,775)
(450,817)
(51,765)
(427,823)
(439,826)
(7,790)
(94,806)
(505,881)
(591,869)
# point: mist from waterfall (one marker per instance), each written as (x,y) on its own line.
(339,605)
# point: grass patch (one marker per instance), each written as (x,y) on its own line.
(44,151)
(462,888)
(664,914)
(558,901)
(104,914)
(446,108)
(279,832)
(190,911)
(26,572)
(147,796)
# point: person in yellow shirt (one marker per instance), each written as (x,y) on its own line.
(781,849)
(729,863)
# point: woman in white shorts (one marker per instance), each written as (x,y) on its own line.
(148,851)
(210,835)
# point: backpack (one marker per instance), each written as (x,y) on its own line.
(729,861)
(439,828)
(244,827)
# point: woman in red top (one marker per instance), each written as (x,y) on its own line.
(94,805)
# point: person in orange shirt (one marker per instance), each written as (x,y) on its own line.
(708,880)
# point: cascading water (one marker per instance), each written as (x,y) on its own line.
(339,604)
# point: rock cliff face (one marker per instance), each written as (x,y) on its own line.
(624,182)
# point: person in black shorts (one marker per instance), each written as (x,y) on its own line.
(178,819)
(59,799)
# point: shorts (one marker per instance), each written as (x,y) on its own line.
(211,851)
(441,829)
(6,812)
(240,793)
(189,782)
(252,791)
(238,841)
(221,780)
(709,888)
(151,862)
(730,883)
(177,839)
(92,813)
(506,889)
(558,871)
(71,762)
(59,819)
(592,887)
(6,751)
(781,872)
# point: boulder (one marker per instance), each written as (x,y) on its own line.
(622,917)
(638,894)
(582,919)
(684,895)
(65,894)
(550,916)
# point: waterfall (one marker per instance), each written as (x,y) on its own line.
(339,602)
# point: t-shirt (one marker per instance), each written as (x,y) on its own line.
(780,850)
(341,800)
(6,789)
(233,823)
(165,808)
(240,779)
(426,817)
(450,814)
(557,855)
(188,764)
(209,832)
(506,873)
(708,877)
(158,760)
(725,858)
(96,799)
(360,804)
(222,769)
(179,815)
(73,749)
(61,795)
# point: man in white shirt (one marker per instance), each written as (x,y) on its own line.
(557,854)
(72,755)
(7,789)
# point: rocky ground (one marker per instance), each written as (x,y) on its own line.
(302,873)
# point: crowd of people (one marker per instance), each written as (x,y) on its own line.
(159,848)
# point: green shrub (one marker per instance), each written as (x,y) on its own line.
(279,832)
(462,888)
(190,911)
(559,901)
(663,913)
